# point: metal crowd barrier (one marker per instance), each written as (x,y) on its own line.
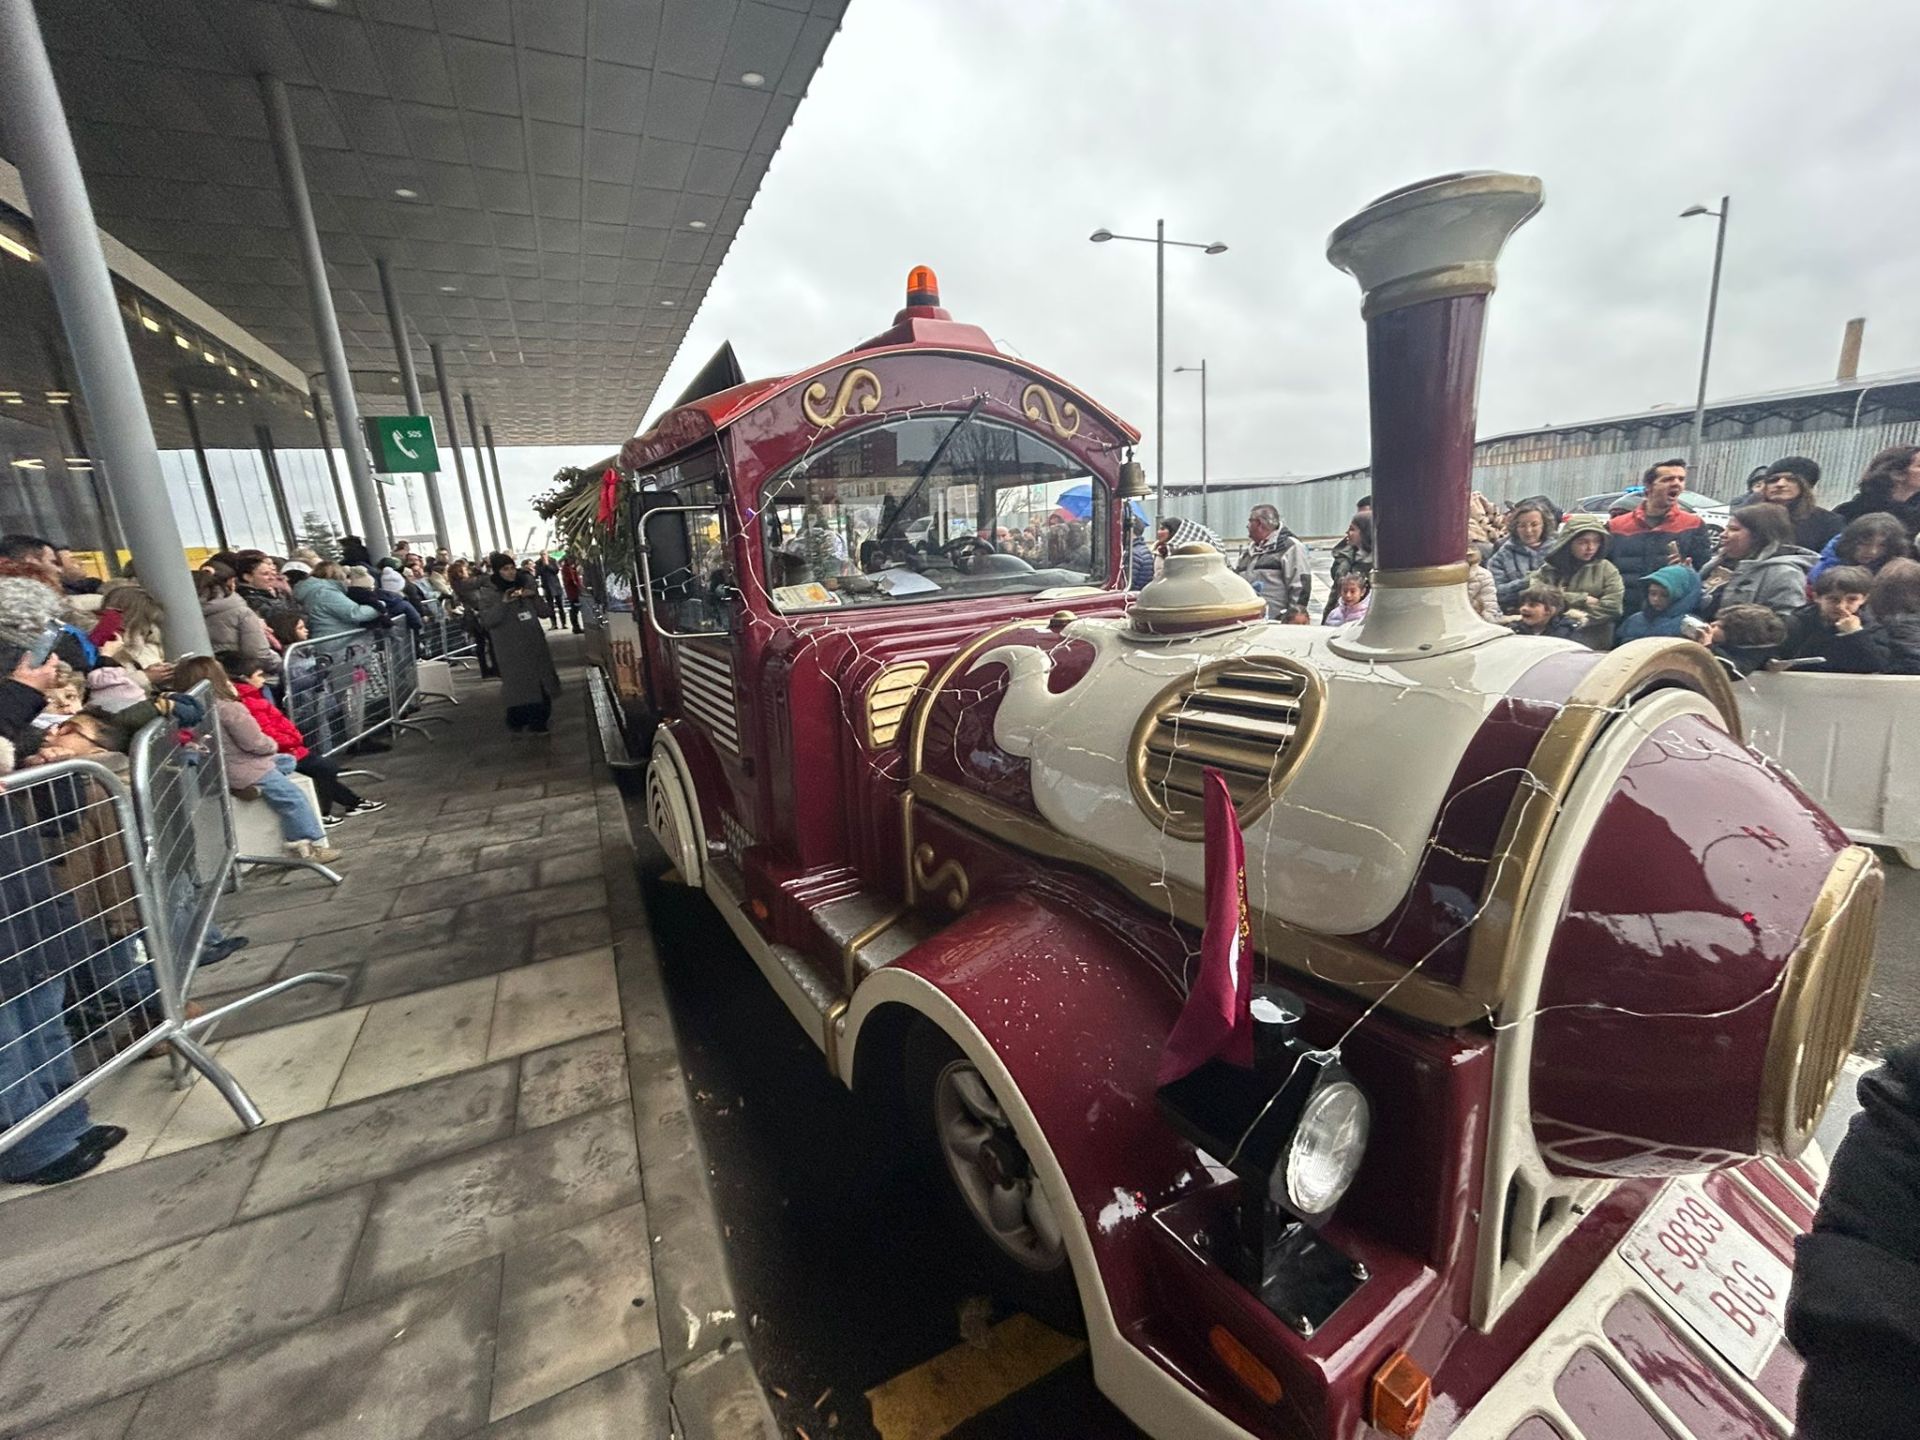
(343,689)
(446,638)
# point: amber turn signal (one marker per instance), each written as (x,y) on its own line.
(1246,1368)
(1400,1394)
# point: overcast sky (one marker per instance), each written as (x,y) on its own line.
(989,139)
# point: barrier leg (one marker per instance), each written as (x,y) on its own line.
(221,1079)
(288,862)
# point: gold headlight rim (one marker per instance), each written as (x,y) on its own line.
(1834,954)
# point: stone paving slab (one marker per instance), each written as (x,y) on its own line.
(409,1360)
(500,1195)
(116,1329)
(625,1404)
(338,1149)
(571,1079)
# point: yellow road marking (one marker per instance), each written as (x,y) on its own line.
(929,1400)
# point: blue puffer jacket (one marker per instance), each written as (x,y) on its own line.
(1683,591)
(1513,564)
(329,611)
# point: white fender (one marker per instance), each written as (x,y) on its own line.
(673,815)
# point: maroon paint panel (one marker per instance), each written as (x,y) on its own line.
(1599,1402)
(1754,1217)
(1711,1409)
(1663,979)
(1423,368)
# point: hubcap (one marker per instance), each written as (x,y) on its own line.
(991,1169)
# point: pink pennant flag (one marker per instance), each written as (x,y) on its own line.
(1217,1020)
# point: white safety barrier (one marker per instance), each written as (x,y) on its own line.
(1853,743)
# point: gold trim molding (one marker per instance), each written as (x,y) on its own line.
(1420,577)
(1821,1001)
(928,878)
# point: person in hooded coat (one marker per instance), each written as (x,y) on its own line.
(511,609)
(1577,563)
(1672,592)
(1758,563)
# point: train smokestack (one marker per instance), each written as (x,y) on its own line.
(1850,348)
(1424,256)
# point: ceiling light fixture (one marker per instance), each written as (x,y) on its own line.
(696,224)
(209,357)
(29,465)
(233,371)
(14,248)
(406,194)
(449,289)
(77,462)
(183,342)
(754,79)
(666,304)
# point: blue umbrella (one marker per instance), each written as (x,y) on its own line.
(1076,502)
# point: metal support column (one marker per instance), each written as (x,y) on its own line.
(410,383)
(333,468)
(498,488)
(41,146)
(453,444)
(480,467)
(206,470)
(276,486)
(326,325)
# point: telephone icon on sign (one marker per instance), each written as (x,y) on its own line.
(400,444)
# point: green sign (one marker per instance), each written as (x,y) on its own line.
(402,444)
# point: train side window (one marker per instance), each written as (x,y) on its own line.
(688,566)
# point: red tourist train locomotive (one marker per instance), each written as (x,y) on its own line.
(1559,973)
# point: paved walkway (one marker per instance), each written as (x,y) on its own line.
(443,1230)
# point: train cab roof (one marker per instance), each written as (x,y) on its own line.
(921,326)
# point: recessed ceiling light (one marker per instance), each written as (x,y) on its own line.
(449,289)
(209,357)
(29,465)
(183,342)
(14,248)
(753,78)
(666,304)
(150,322)
(696,224)
(406,194)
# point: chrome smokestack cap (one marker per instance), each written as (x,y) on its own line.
(1434,239)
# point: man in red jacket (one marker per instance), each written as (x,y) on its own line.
(327,784)
(1657,532)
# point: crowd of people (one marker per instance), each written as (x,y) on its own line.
(1788,584)
(86,669)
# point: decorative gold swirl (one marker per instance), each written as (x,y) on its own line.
(928,878)
(849,383)
(1036,397)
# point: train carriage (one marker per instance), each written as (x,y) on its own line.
(1556,975)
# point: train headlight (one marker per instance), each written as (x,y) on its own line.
(1324,1155)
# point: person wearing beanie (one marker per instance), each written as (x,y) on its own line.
(1790,483)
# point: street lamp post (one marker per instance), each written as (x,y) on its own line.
(1159,242)
(1188,370)
(1706,347)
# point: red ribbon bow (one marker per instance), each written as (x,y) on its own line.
(609,495)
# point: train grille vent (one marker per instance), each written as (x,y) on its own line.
(1252,719)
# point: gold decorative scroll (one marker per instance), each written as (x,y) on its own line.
(1064,419)
(927,878)
(850,383)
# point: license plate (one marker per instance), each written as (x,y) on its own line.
(1727,1286)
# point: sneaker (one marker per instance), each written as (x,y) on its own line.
(322,852)
(368,807)
(214,954)
(332,820)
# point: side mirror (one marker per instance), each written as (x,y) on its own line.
(673,544)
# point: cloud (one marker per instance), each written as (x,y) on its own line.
(988,140)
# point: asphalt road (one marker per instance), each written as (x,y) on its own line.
(849,1280)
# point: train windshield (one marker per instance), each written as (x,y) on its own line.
(937,506)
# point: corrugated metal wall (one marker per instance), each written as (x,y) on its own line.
(1322,506)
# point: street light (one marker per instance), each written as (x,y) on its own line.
(1201,368)
(1159,242)
(1706,347)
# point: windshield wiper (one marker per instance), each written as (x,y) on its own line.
(920,480)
